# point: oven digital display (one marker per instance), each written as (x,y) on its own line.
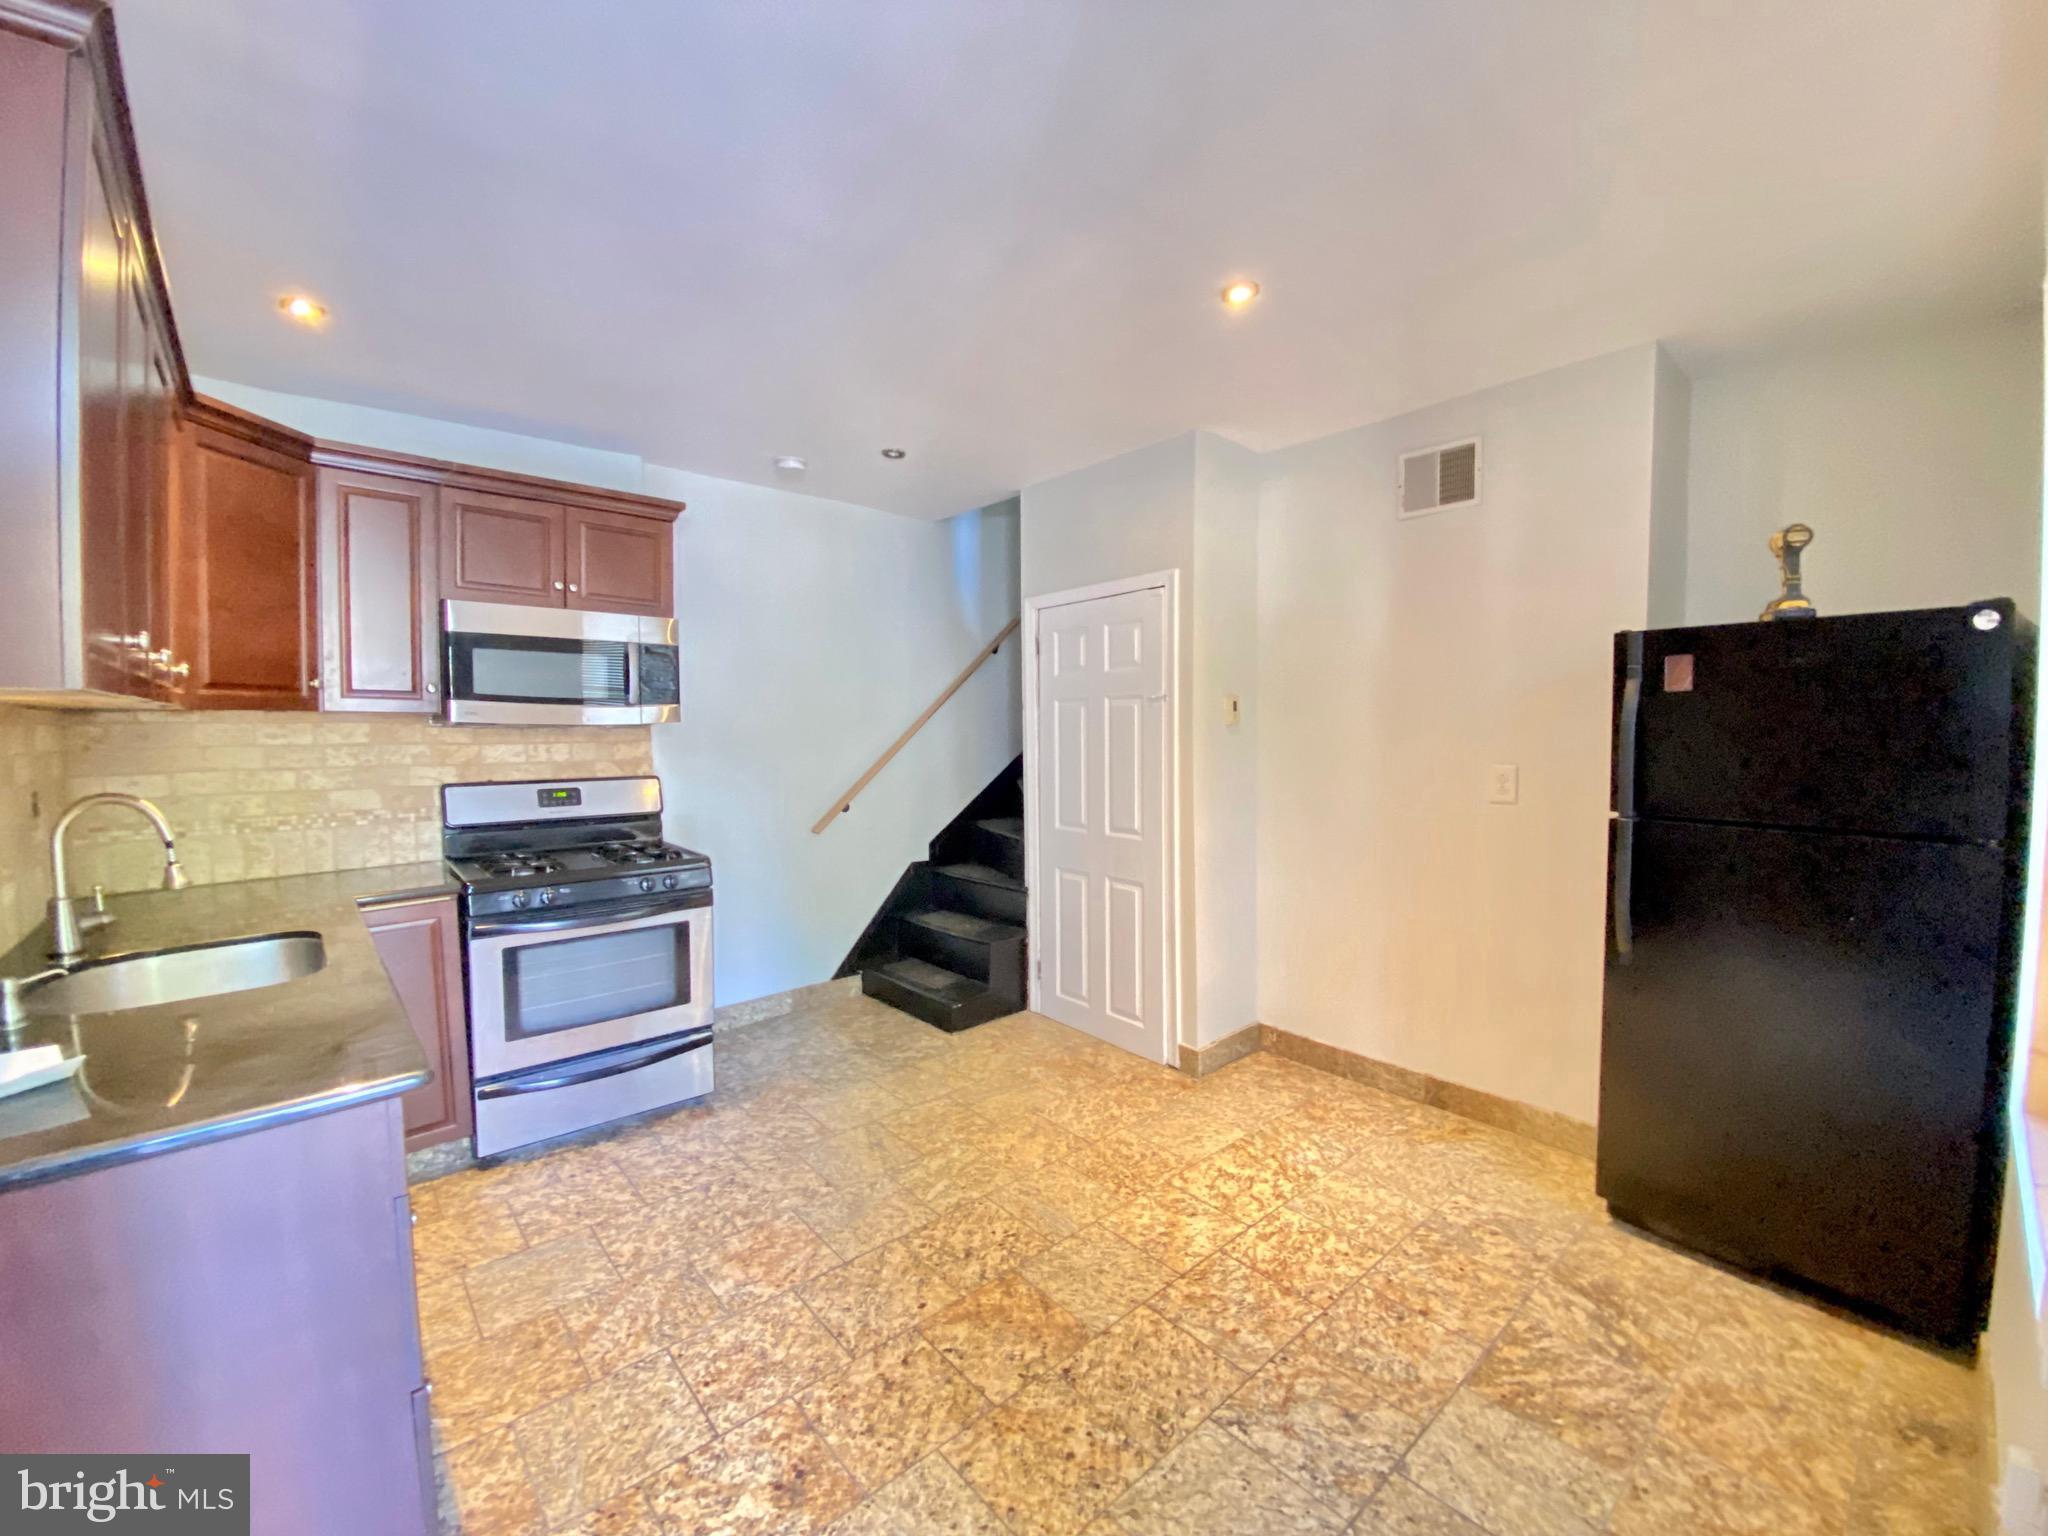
(561,797)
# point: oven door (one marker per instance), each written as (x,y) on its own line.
(507,664)
(546,986)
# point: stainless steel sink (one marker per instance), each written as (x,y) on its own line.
(171,975)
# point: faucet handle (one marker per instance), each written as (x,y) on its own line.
(99,916)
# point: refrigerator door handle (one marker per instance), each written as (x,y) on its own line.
(1625,730)
(1625,796)
(1624,878)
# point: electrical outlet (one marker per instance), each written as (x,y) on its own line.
(1503,784)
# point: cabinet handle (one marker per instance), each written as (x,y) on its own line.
(572,586)
(433,688)
(312,682)
(558,586)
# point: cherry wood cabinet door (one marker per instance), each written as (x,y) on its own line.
(380,585)
(619,563)
(501,549)
(149,432)
(116,649)
(421,947)
(241,561)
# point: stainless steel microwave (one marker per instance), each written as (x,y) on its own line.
(507,664)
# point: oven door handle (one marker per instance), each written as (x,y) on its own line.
(528,1083)
(589,917)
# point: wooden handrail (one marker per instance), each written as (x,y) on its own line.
(845,802)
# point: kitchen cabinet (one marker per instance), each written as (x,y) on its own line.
(502,549)
(241,615)
(251,1294)
(420,944)
(90,370)
(507,549)
(619,563)
(379,561)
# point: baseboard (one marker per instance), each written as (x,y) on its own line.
(1221,1053)
(756,1009)
(1544,1125)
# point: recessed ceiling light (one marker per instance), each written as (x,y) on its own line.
(892,453)
(789,463)
(1240,293)
(302,309)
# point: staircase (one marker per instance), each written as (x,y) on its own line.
(948,944)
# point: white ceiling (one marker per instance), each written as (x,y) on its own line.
(992,231)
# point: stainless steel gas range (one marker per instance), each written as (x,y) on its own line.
(588,941)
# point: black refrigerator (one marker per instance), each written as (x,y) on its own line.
(1816,865)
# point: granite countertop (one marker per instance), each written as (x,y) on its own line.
(156,1079)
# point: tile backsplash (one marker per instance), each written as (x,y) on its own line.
(256,794)
(32,784)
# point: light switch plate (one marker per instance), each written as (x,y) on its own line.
(1503,784)
(1231,712)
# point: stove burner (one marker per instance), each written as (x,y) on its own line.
(635,854)
(511,865)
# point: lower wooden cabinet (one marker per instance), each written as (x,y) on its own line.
(420,943)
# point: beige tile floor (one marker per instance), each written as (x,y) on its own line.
(889,1282)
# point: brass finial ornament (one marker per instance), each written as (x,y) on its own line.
(1791,602)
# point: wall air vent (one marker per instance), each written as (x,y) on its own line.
(1438,478)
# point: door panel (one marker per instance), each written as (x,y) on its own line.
(379,538)
(1101,823)
(619,563)
(153,436)
(115,658)
(420,945)
(1070,938)
(1898,724)
(242,605)
(1124,953)
(502,549)
(1800,1056)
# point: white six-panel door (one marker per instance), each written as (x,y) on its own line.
(1101,818)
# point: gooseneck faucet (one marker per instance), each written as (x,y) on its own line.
(67,925)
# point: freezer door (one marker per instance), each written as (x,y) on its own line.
(1803,1060)
(1902,724)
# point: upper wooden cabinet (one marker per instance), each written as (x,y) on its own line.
(508,549)
(398,534)
(502,549)
(240,552)
(379,584)
(619,563)
(90,370)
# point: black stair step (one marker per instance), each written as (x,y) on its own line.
(936,995)
(980,889)
(1004,826)
(965,925)
(980,874)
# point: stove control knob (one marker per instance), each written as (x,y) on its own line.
(647,882)
(547,897)
(520,898)
(669,882)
